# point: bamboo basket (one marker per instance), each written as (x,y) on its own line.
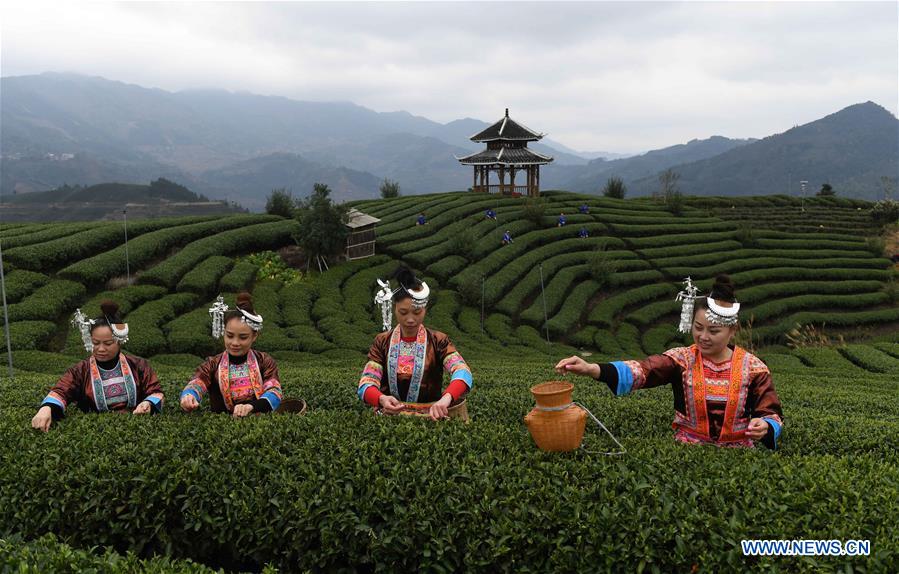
(556,423)
(292,406)
(456,410)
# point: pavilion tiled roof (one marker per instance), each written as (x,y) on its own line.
(507,129)
(505,156)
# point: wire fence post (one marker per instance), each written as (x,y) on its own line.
(127,259)
(543,296)
(482,303)
(5,314)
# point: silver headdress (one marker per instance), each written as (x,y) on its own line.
(419,297)
(83,324)
(253,321)
(383,298)
(120,335)
(217,312)
(687,297)
(719,315)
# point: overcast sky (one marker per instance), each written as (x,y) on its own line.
(621,77)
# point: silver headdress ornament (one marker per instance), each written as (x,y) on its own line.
(253,321)
(687,297)
(120,335)
(419,297)
(383,298)
(83,324)
(720,315)
(217,312)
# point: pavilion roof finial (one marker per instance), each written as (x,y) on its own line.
(507,112)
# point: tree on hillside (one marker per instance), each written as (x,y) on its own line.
(323,230)
(533,209)
(668,188)
(826,191)
(280,202)
(390,188)
(615,188)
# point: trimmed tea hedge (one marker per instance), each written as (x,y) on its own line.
(145,323)
(151,246)
(239,278)
(21,283)
(30,334)
(245,239)
(204,278)
(48,554)
(100,237)
(48,302)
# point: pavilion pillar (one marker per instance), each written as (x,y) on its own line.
(512,179)
(502,179)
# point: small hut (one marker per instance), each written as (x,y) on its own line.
(360,242)
(507,151)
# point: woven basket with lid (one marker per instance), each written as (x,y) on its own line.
(556,423)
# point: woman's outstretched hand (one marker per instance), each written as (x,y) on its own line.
(577,366)
(757,429)
(43,419)
(440,409)
(390,405)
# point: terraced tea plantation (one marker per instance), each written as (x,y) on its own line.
(342,490)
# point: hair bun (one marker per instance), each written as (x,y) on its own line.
(245,302)
(406,277)
(723,289)
(110,308)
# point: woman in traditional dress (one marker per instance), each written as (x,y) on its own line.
(240,380)
(108,380)
(723,394)
(406,363)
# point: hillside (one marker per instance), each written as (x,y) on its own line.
(106,201)
(592,177)
(851,149)
(341,489)
(802,264)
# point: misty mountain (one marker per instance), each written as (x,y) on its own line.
(67,128)
(850,149)
(108,130)
(592,177)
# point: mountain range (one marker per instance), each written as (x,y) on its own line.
(67,128)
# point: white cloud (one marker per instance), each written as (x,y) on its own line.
(610,76)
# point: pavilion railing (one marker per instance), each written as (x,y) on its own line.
(504,189)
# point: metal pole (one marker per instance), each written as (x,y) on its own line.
(482,303)
(543,296)
(127,259)
(5,313)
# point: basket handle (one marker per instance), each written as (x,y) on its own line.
(622,451)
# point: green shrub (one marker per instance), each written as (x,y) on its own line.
(21,283)
(48,302)
(147,248)
(246,238)
(240,278)
(100,237)
(30,334)
(271,266)
(204,278)
(145,323)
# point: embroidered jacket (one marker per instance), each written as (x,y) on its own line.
(412,371)
(229,381)
(116,385)
(713,402)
